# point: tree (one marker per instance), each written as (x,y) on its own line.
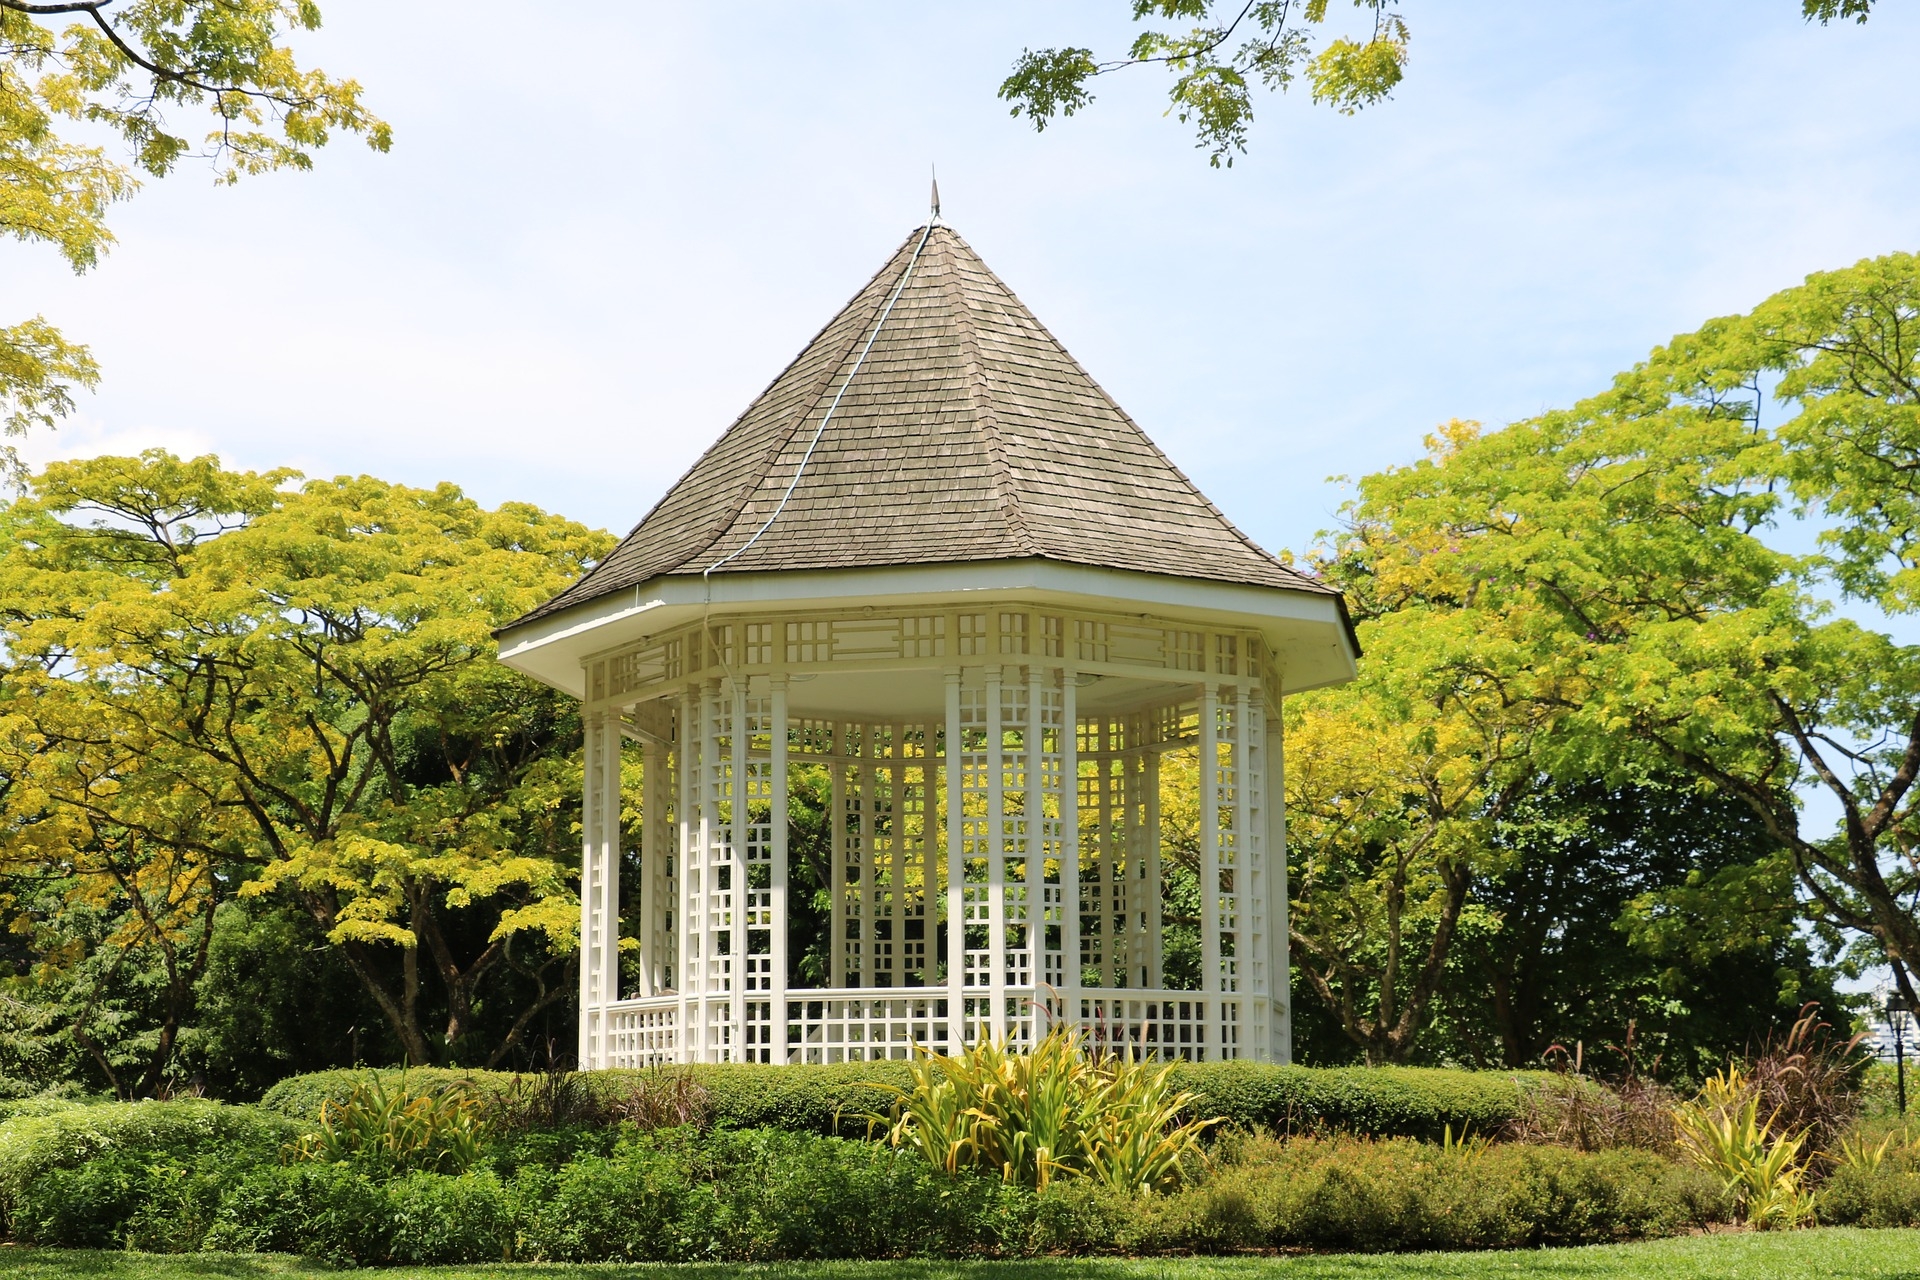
(1234,46)
(121,66)
(1393,786)
(1648,911)
(296,689)
(1623,545)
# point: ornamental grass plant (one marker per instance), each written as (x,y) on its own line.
(1055,1111)
(1763,1167)
(439,1129)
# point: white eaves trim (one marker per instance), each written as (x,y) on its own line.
(1307,627)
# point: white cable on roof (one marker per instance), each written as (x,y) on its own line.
(828,416)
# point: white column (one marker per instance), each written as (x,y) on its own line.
(1249,886)
(691,821)
(956,869)
(1210,863)
(1070,846)
(1147,752)
(860,777)
(597,859)
(1036,824)
(777,986)
(897,851)
(653,856)
(837,858)
(712,965)
(996,858)
(738,896)
(1279,905)
(1108,859)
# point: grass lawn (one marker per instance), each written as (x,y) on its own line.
(1784,1256)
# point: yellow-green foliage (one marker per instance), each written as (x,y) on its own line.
(1721,1131)
(1349,1193)
(74,1137)
(1405,1102)
(438,1128)
(1056,1111)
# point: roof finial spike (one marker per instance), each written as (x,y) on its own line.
(936,192)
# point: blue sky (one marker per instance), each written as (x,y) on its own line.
(604,228)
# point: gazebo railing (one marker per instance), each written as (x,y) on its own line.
(872,1024)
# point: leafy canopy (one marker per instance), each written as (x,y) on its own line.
(1620,557)
(134,70)
(295,687)
(1229,49)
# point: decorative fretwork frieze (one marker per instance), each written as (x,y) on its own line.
(860,640)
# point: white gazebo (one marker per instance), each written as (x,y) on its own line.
(934,583)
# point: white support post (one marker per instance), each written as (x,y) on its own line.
(860,776)
(1070,847)
(956,869)
(653,856)
(740,896)
(598,866)
(1035,738)
(1108,860)
(1147,753)
(1249,886)
(996,859)
(712,964)
(896,772)
(691,819)
(1279,905)
(777,979)
(837,858)
(1210,864)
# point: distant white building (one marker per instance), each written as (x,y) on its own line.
(1882,1036)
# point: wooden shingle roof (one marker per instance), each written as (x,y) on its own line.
(967,434)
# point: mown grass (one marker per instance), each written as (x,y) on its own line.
(1799,1255)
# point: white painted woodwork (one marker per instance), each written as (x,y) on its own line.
(992,772)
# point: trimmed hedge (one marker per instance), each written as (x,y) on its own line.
(114,1140)
(1402,1102)
(1381,1102)
(1886,1196)
(765,1196)
(1357,1194)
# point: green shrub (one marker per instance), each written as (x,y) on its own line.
(83,1208)
(334,1213)
(39,1104)
(637,1205)
(438,1219)
(508,1153)
(125,1199)
(1882,1190)
(762,1195)
(787,1195)
(1344,1193)
(341,1214)
(1383,1102)
(33,1145)
(1398,1194)
(1410,1102)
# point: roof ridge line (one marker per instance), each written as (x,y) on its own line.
(983,406)
(1138,430)
(811,402)
(747,488)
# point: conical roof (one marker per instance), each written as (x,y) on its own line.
(966,433)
